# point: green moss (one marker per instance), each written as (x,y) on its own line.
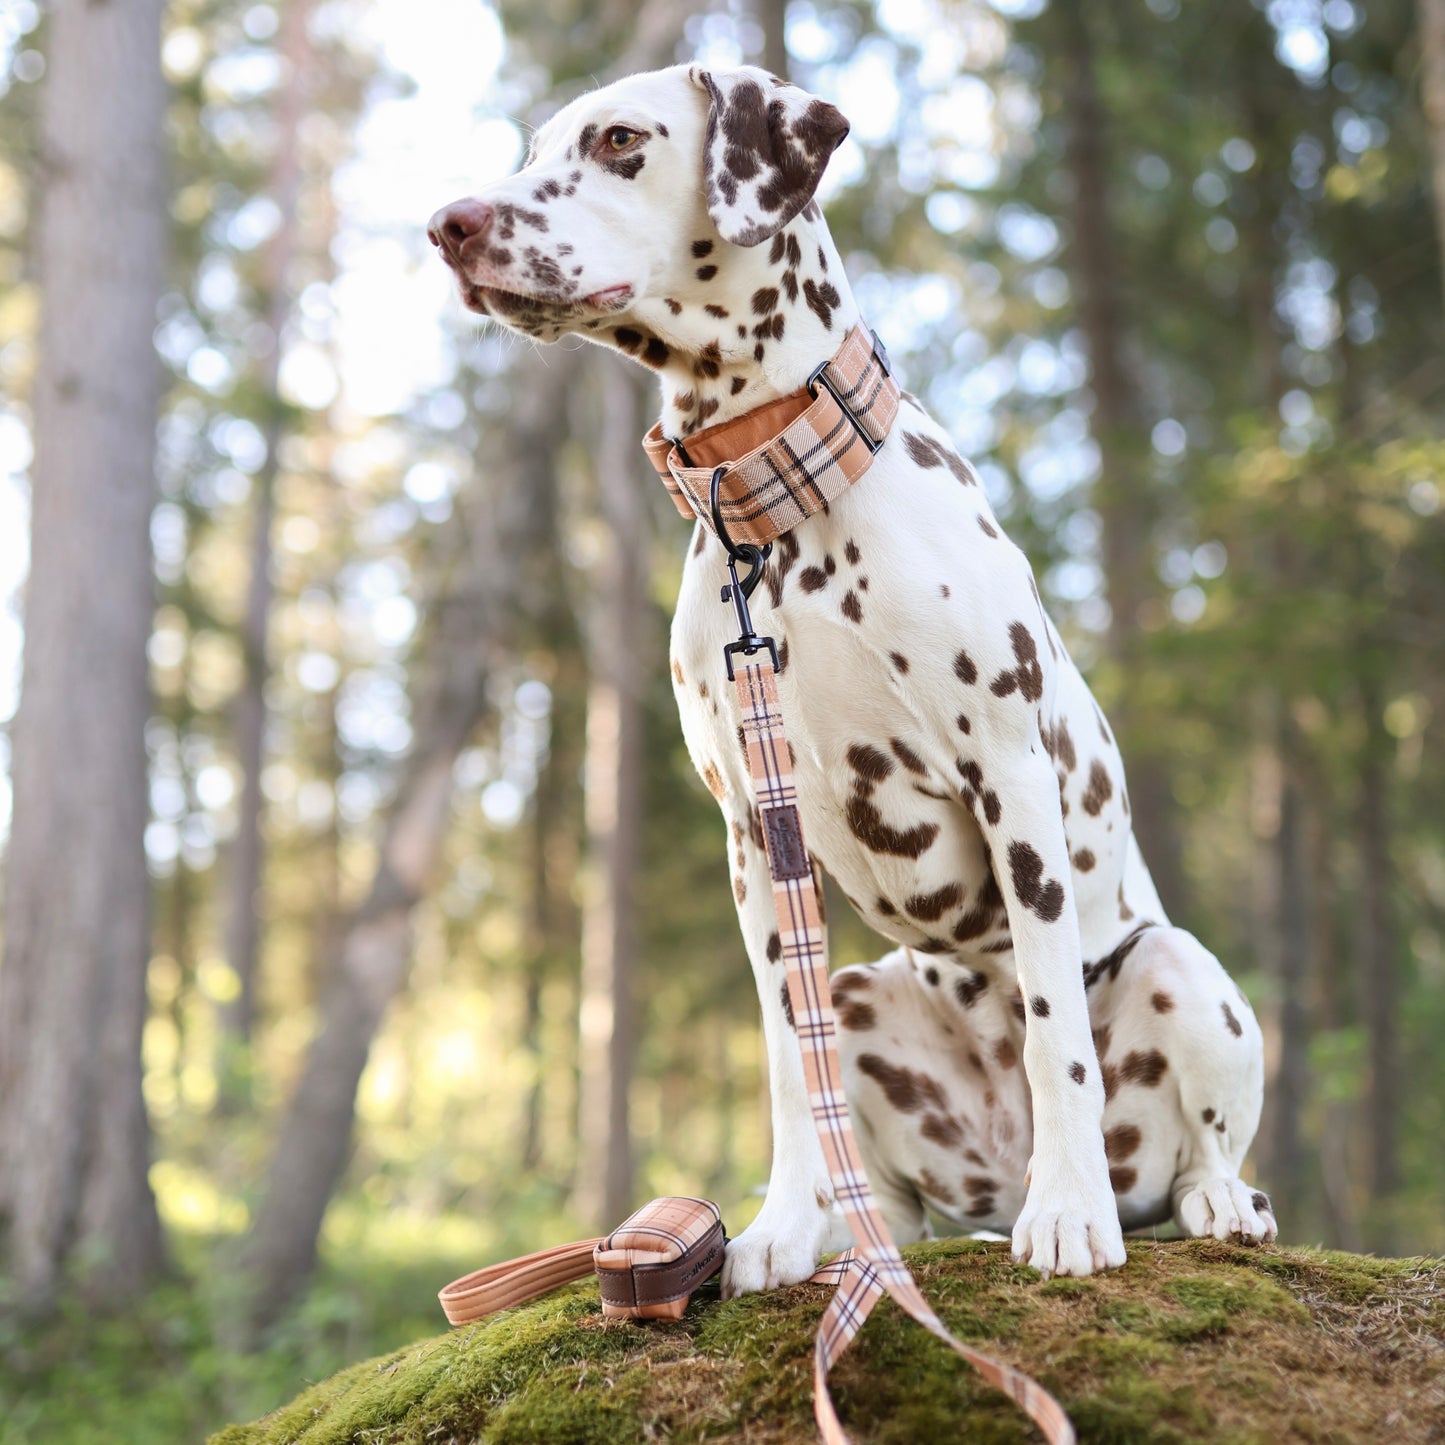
(1189,1341)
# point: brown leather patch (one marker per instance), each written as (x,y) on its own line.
(787,858)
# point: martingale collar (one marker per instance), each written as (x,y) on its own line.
(784,461)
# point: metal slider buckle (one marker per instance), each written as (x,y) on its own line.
(738,591)
(820,377)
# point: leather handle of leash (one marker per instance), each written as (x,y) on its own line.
(514,1282)
(875,1265)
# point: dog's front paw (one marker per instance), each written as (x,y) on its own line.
(779,1247)
(1064,1232)
(1226,1209)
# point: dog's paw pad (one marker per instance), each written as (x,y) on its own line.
(1226,1209)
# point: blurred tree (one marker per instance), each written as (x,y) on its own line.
(275,295)
(1432,94)
(619,642)
(74,1139)
(477,623)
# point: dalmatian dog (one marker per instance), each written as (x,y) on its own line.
(1042,1053)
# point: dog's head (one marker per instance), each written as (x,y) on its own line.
(632,192)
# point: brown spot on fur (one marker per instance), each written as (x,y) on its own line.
(967,990)
(1045,898)
(1084,860)
(706,273)
(1208,1116)
(788,1008)
(740,888)
(899,661)
(904,1089)
(1040,1006)
(1123,1180)
(985,527)
(867,825)
(1099,791)
(774,947)
(934,1187)
(1121,1141)
(813,579)
(1077,1072)
(1231,1022)
(1111,963)
(964,669)
(713,779)
(930,907)
(852,608)
(941,1129)
(1163,1002)
(871,765)
(908,757)
(1004,1053)
(1027,676)
(1145,1067)
(855,1015)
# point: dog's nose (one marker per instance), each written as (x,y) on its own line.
(454,225)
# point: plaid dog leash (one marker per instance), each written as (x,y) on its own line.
(831,432)
(874,1264)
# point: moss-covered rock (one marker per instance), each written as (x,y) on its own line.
(1192,1340)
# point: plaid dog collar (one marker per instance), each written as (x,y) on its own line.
(788,459)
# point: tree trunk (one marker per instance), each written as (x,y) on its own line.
(773,18)
(1286,1171)
(1122,494)
(1432,86)
(616,623)
(243,904)
(476,623)
(74,1139)
(1380,983)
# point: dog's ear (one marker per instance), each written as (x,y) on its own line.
(766,146)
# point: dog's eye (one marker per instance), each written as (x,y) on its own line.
(620,137)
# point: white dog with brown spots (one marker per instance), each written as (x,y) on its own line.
(955,775)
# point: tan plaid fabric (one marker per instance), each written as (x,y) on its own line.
(661,1231)
(874,1265)
(789,459)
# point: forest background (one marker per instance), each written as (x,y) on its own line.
(363,919)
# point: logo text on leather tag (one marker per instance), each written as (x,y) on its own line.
(787,858)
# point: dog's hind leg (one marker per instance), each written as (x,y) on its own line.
(1183,1065)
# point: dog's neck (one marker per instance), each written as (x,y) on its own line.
(752,328)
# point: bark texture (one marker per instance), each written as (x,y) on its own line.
(74,1141)
(615,627)
(243,903)
(1432,85)
(1122,493)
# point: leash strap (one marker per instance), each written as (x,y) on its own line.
(514,1282)
(793,455)
(874,1266)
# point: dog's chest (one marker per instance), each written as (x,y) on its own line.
(876,607)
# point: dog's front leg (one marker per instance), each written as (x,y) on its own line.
(782,1244)
(1070,1222)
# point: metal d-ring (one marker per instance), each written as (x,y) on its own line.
(756,557)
